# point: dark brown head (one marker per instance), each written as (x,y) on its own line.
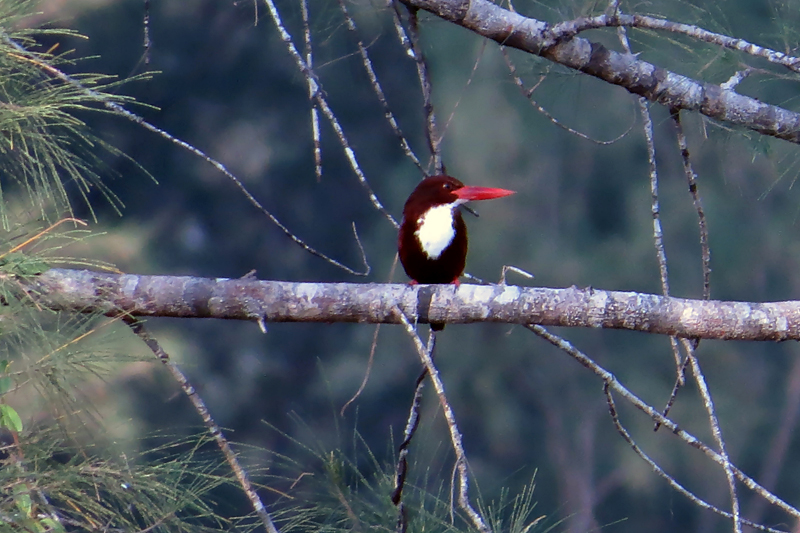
(432,191)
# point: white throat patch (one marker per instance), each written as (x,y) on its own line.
(436,229)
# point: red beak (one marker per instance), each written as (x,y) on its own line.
(481,193)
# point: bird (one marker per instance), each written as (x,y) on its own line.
(432,242)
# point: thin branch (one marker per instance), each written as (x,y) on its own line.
(370,361)
(408,434)
(612,383)
(147,44)
(668,478)
(691,178)
(373,346)
(528,94)
(658,241)
(452,115)
(327,111)
(121,111)
(779,448)
(214,430)
(708,403)
(680,380)
(658,233)
(639,77)
(431,133)
(309,55)
(655,209)
(376,87)
(736,79)
(455,434)
(647,126)
(399,29)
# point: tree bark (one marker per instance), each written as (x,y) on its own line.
(638,77)
(283,301)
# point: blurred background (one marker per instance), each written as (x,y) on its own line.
(226,84)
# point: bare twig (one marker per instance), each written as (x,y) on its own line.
(408,434)
(655,209)
(691,178)
(511,268)
(647,126)
(117,109)
(668,478)
(367,371)
(214,430)
(528,93)
(309,55)
(658,238)
(328,112)
(637,76)
(658,234)
(776,454)
(680,380)
(399,29)
(451,116)
(372,348)
(612,383)
(376,87)
(708,403)
(431,133)
(736,79)
(455,434)
(146,27)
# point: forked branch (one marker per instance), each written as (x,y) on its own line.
(639,77)
(450,417)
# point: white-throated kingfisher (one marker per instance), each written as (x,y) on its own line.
(433,236)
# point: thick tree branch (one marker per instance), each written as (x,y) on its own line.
(283,301)
(626,70)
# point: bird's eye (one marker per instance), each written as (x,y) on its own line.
(448,186)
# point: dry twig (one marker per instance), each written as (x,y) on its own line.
(214,430)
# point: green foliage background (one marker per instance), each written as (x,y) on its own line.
(582,216)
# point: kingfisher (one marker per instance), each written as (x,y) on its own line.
(433,236)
